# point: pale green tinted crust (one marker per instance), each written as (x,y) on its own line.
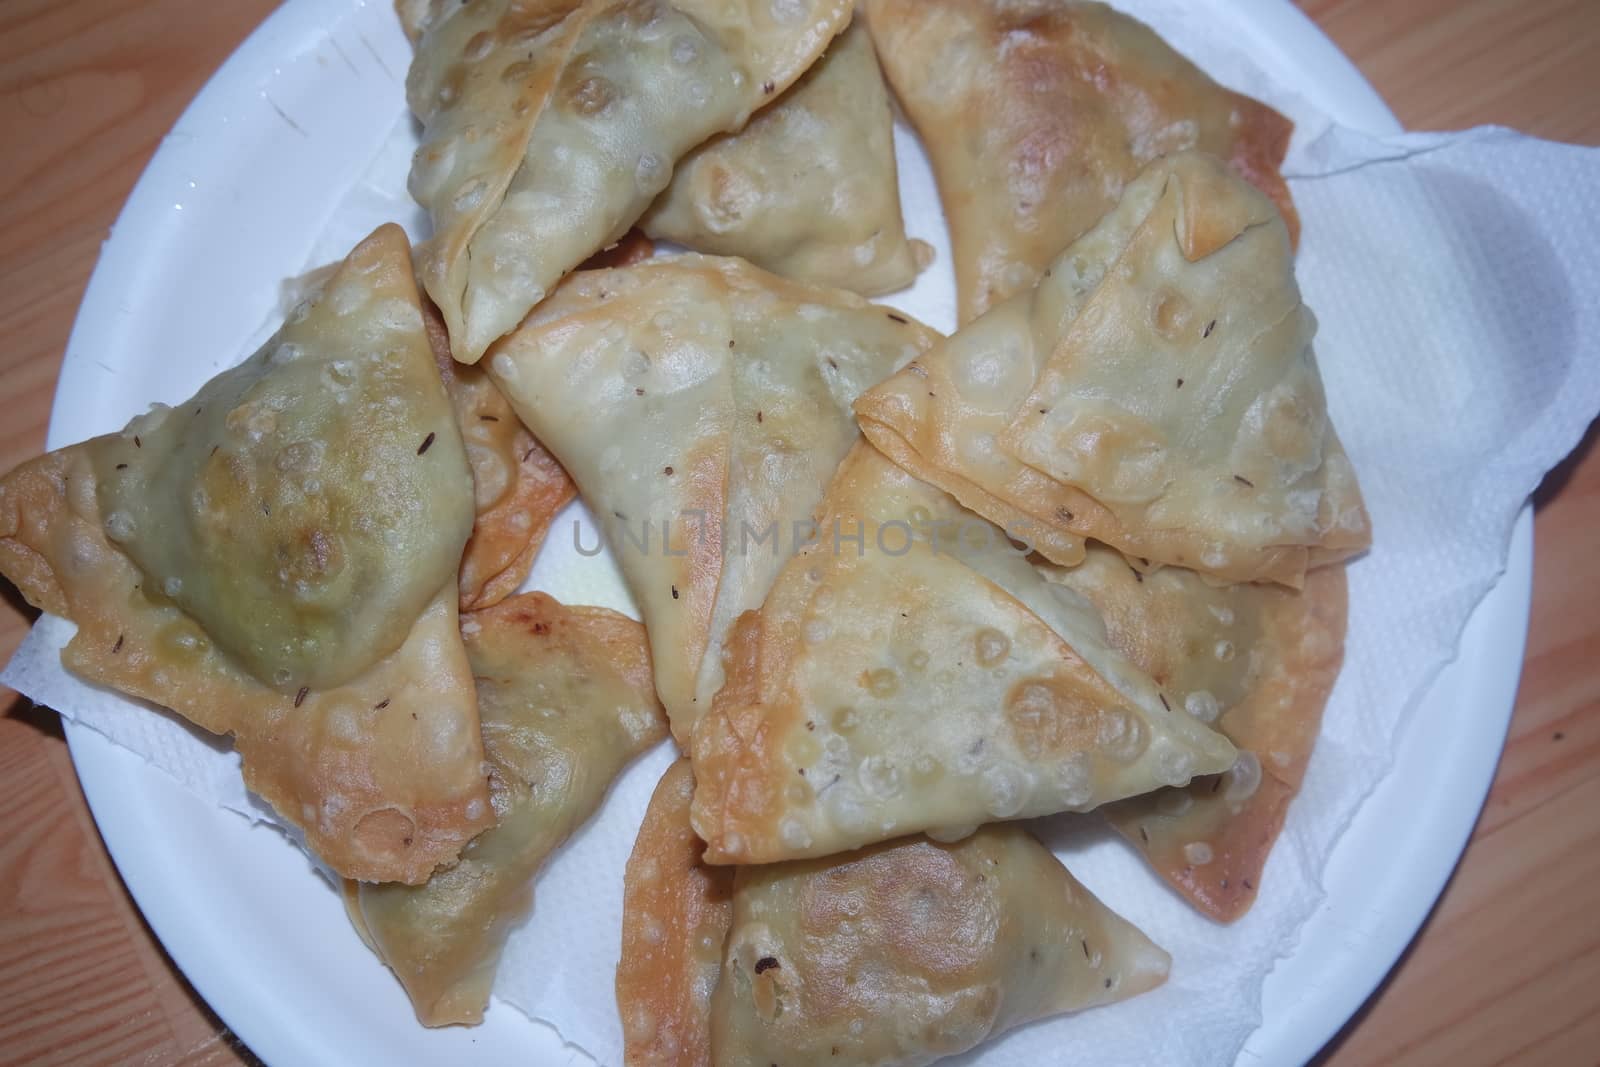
(305,505)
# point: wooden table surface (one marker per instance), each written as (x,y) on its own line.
(1507,968)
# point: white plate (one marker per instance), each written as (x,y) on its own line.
(235,906)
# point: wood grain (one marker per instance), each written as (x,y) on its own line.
(1508,967)
(87,90)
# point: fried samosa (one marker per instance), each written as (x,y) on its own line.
(549,126)
(276,559)
(676,914)
(701,405)
(566,702)
(893,956)
(518,487)
(1156,392)
(809,188)
(1036,114)
(912,672)
(1260,662)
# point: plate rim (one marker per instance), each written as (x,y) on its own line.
(1277,26)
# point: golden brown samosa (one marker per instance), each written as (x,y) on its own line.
(1036,114)
(276,559)
(1156,392)
(913,672)
(809,188)
(701,405)
(676,913)
(518,487)
(549,126)
(1257,660)
(566,702)
(892,956)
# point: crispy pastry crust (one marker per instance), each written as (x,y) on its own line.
(567,701)
(379,765)
(1236,817)
(676,912)
(518,486)
(898,953)
(1037,113)
(809,188)
(382,774)
(551,125)
(1156,392)
(704,401)
(910,951)
(926,689)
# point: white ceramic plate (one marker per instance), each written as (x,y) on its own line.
(238,173)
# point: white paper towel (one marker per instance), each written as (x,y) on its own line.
(1454,280)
